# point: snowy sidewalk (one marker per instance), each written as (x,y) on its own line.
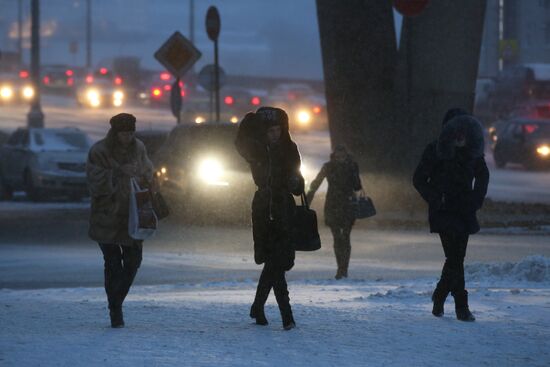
(350,323)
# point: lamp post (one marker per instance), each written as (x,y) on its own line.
(35,117)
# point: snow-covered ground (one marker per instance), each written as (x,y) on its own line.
(346,323)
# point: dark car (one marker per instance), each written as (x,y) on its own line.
(524,141)
(153,140)
(202,174)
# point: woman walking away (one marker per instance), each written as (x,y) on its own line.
(452,177)
(112,162)
(264,141)
(342,174)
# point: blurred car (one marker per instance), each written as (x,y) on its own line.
(15,89)
(45,162)
(202,174)
(58,78)
(153,140)
(306,108)
(524,141)
(100,89)
(156,90)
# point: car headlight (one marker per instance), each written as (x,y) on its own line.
(211,172)
(93,97)
(28,92)
(304,117)
(6,92)
(199,120)
(543,151)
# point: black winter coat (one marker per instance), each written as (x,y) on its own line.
(343,179)
(276,172)
(453,181)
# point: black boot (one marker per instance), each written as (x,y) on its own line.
(438,298)
(461,306)
(117,320)
(288,319)
(257,312)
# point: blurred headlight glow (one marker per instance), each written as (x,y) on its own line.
(118,95)
(199,120)
(93,97)
(234,119)
(304,117)
(6,92)
(28,92)
(211,172)
(543,150)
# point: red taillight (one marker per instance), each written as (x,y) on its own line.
(89,79)
(46,80)
(228,100)
(156,92)
(530,128)
(69,72)
(317,110)
(167,87)
(118,80)
(23,74)
(256,101)
(70,82)
(103,71)
(183,93)
(164,76)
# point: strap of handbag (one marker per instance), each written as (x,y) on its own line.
(303,198)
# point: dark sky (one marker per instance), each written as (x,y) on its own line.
(258,37)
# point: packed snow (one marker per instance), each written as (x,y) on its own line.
(340,323)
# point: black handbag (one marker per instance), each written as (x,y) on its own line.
(363,207)
(159,206)
(305,233)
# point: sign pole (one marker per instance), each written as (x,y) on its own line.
(217,80)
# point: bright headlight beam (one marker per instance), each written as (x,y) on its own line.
(28,92)
(6,92)
(304,117)
(543,150)
(211,171)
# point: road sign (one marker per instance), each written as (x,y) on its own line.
(177,54)
(410,8)
(207,77)
(213,23)
(175,99)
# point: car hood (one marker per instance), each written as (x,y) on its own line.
(63,156)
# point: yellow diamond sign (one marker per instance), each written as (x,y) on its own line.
(177,54)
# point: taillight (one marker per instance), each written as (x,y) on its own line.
(530,128)
(70,82)
(103,71)
(118,80)
(89,79)
(167,87)
(23,74)
(256,101)
(164,76)
(316,110)
(228,100)
(69,72)
(46,80)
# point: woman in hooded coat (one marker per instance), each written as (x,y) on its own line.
(452,177)
(263,140)
(342,174)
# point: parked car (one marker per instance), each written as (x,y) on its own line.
(524,141)
(202,174)
(44,163)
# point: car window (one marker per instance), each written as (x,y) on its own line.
(61,140)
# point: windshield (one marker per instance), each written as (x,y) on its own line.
(61,141)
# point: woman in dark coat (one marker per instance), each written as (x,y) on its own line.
(452,177)
(264,141)
(342,174)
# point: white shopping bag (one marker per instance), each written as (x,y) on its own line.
(142,220)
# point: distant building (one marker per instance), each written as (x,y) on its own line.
(516,31)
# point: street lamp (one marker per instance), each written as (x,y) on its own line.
(35,117)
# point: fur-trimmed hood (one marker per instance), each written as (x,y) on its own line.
(466,125)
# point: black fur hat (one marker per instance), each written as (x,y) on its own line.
(123,122)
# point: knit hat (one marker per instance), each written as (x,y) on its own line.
(272,116)
(123,122)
